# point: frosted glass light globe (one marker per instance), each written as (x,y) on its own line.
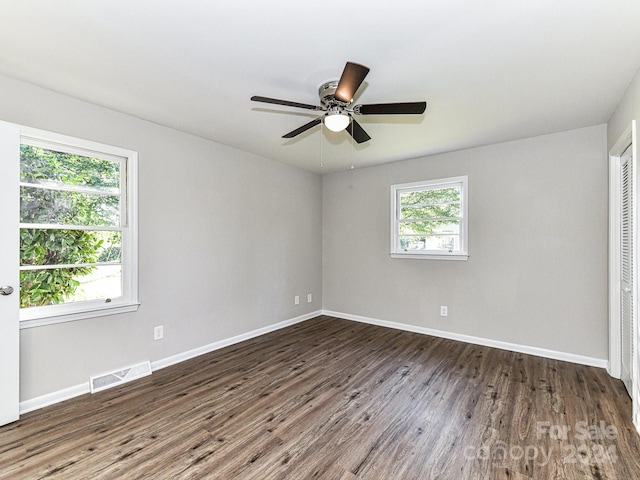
(336,122)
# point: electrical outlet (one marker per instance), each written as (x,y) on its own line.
(309,298)
(296,300)
(444,311)
(158,332)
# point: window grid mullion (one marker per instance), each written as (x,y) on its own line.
(69,265)
(420,205)
(71,188)
(428,219)
(51,226)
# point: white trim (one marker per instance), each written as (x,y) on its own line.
(615,355)
(90,228)
(66,188)
(635,334)
(130,241)
(635,415)
(181,357)
(394,246)
(52,314)
(421,256)
(487,342)
(614,366)
(69,265)
(52,140)
(77,390)
(53,398)
(81,315)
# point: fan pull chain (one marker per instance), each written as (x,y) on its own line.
(353,146)
(321,135)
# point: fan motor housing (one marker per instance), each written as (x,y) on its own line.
(327,91)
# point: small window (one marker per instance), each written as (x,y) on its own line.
(78,253)
(429,219)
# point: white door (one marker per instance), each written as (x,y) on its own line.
(626,267)
(9,275)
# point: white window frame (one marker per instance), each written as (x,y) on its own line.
(128,302)
(397,252)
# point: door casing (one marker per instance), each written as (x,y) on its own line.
(614,368)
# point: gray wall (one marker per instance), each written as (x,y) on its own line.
(628,109)
(226,240)
(537,271)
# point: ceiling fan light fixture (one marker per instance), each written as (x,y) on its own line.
(336,98)
(336,121)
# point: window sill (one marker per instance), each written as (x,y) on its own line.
(424,256)
(31,321)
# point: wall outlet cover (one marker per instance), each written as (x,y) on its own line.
(158,332)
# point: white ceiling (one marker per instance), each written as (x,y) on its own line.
(490,71)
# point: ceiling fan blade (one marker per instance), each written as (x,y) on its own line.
(286,103)
(351,79)
(304,128)
(407,108)
(357,132)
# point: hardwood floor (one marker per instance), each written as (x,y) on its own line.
(331,399)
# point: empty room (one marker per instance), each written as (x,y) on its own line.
(338,241)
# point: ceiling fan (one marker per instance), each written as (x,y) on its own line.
(336,98)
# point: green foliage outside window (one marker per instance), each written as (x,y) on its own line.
(64,246)
(428,212)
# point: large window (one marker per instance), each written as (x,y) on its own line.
(429,219)
(77,229)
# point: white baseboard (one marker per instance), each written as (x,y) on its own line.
(54,397)
(77,390)
(487,342)
(635,406)
(181,357)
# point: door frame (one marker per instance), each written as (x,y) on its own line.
(615,329)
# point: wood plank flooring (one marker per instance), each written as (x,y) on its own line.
(330,399)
